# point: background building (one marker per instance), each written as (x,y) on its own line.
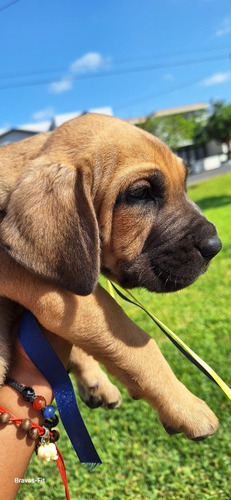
(198,156)
(27,130)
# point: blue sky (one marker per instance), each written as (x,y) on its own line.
(60,56)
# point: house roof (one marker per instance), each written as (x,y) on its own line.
(60,119)
(171,111)
(18,130)
(182,109)
(57,120)
(135,121)
(35,127)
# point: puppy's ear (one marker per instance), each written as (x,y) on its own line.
(50,226)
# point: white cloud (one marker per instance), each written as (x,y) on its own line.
(216,79)
(88,62)
(225,27)
(62,85)
(43,114)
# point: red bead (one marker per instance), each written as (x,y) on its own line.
(39,403)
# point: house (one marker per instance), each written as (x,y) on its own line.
(22,132)
(205,156)
(199,157)
(28,130)
(186,111)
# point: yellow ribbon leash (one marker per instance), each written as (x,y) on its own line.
(189,353)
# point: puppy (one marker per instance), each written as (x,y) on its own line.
(98,194)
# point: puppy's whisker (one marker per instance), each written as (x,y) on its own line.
(166,281)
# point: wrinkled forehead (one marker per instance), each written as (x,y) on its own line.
(124,154)
(131,160)
(145,154)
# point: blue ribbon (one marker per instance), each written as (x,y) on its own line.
(45,359)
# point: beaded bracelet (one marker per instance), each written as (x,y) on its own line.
(46,436)
(38,402)
(45,447)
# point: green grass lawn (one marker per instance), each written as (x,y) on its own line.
(140,461)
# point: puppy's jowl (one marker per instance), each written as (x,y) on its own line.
(99,195)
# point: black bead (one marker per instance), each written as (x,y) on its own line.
(28,393)
(48,424)
(51,422)
(55,420)
(54,437)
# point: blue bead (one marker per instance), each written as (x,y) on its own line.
(48,411)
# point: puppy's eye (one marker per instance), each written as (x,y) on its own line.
(141,193)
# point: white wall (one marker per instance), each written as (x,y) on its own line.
(210,163)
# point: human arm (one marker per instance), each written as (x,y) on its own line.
(16,446)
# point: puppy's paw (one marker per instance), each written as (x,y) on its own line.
(193,417)
(99,392)
(94,386)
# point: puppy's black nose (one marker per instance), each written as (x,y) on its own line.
(211,247)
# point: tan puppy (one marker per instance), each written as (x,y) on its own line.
(99,194)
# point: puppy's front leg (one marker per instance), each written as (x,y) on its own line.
(100,327)
(134,358)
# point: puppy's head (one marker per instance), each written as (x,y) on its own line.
(156,236)
(104,193)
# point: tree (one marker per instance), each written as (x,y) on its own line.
(219,124)
(174,130)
